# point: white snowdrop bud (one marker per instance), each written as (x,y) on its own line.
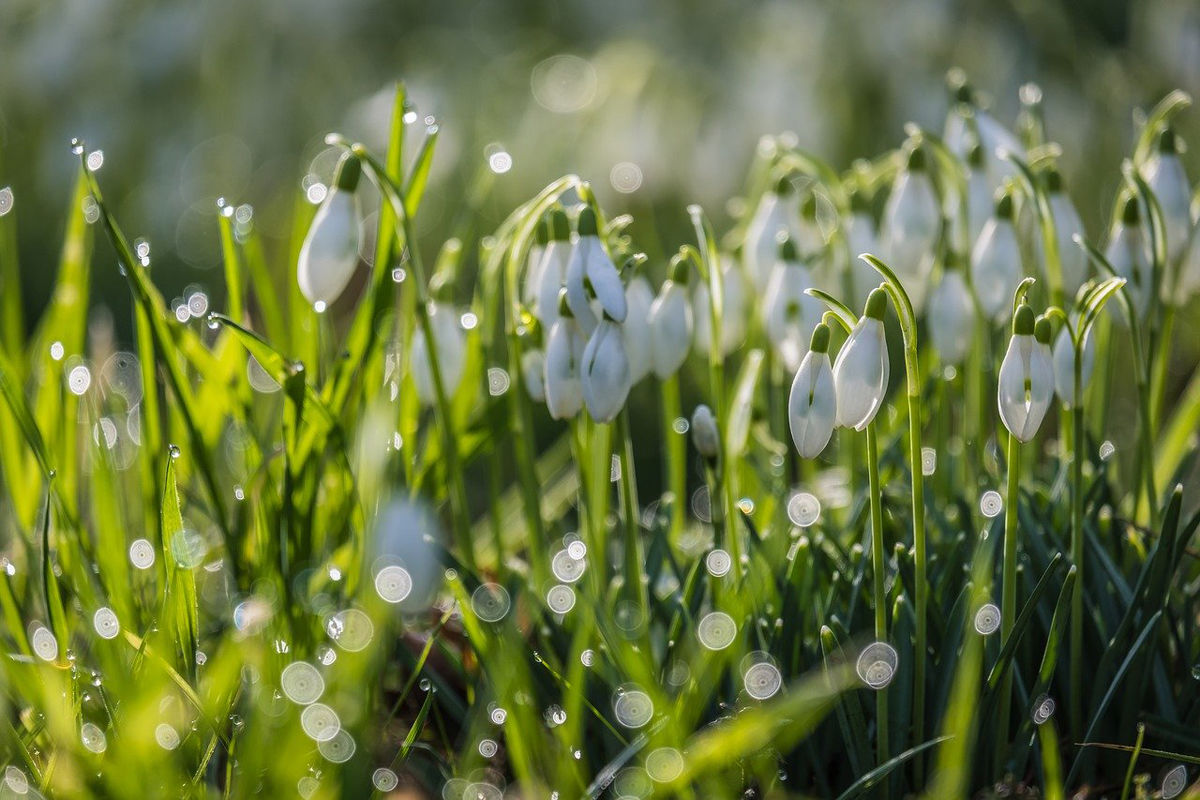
(789,314)
(1168,180)
(533,262)
(604,375)
(996,260)
(450,344)
(330,251)
(1066,225)
(951,316)
(1128,252)
(862,369)
(1026,381)
(639,297)
(812,402)
(533,374)
(670,322)
(979,197)
(734,312)
(778,210)
(704,432)
(1063,358)
(590,268)
(564,355)
(861,237)
(553,270)
(911,221)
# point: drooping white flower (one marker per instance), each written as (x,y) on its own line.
(996,260)
(1066,225)
(967,124)
(450,345)
(553,270)
(861,237)
(704,432)
(670,323)
(734,312)
(911,221)
(1063,358)
(812,402)
(951,316)
(778,210)
(590,272)
(604,371)
(1188,281)
(639,297)
(789,314)
(1026,382)
(330,251)
(862,368)
(533,374)
(533,262)
(564,357)
(1168,180)
(1128,252)
(979,197)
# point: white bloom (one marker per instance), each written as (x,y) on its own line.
(1128,252)
(533,262)
(533,374)
(704,432)
(812,403)
(330,251)
(1066,224)
(789,314)
(733,318)
(553,269)
(638,299)
(449,342)
(861,371)
(604,372)
(670,329)
(1026,382)
(996,261)
(564,354)
(590,266)
(950,316)
(979,200)
(777,211)
(911,221)
(1168,180)
(1063,358)
(1188,282)
(861,238)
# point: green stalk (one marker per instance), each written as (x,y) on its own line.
(877,568)
(634,586)
(672,409)
(1008,602)
(1075,421)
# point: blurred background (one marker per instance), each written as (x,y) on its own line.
(659,104)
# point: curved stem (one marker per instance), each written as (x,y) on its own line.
(879,575)
(676,475)
(1008,601)
(1077,545)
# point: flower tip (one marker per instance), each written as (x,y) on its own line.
(916,158)
(1004,204)
(1023,321)
(783,186)
(1052,179)
(348,171)
(787,248)
(560,226)
(876,303)
(958,85)
(1130,213)
(542,232)
(586,226)
(680,268)
(1041,330)
(1168,141)
(820,338)
(809,210)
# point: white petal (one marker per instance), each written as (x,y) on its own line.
(552,275)
(330,251)
(860,374)
(533,273)
(812,405)
(636,329)
(605,372)
(1167,178)
(705,436)
(1024,361)
(911,220)
(564,395)
(996,267)
(1072,258)
(605,280)
(950,316)
(449,342)
(789,314)
(1063,359)
(577,296)
(670,329)
(733,319)
(533,374)
(861,237)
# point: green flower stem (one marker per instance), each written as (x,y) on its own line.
(880,598)
(1076,423)
(1008,601)
(635,588)
(676,477)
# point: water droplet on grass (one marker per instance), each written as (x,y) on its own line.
(384,779)
(762,680)
(560,598)
(991,503)
(716,630)
(877,664)
(6,200)
(987,619)
(302,683)
(141,554)
(106,623)
(339,748)
(393,583)
(490,602)
(803,509)
(1174,781)
(718,563)
(1043,709)
(320,722)
(632,707)
(93,738)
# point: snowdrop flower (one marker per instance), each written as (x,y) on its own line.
(590,267)
(777,211)
(734,312)
(533,262)
(861,371)
(1128,252)
(553,270)
(1026,382)
(979,197)
(1188,281)
(1063,358)
(330,251)
(810,245)
(670,323)
(564,355)
(449,342)
(704,433)
(951,314)
(1066,224)
(604,371)
(967,123)
(1164,173)
(533,374)
(638,299)
(911,221)
(812,403)
(789,314)
(996,260)
(861,238)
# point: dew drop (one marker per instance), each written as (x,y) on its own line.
(106,623)
(93,738)
(718,563)
(987,619)
(664,764)
(339,748)
(716,630)
(490,602)
(302,683)
(991,503)
(877,665)
(384,779)
(393,583)
(803,509)
(1174,782)
(560,598)
(6,200)
(762,680)
(320,722)
(632,707)
(141,554)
